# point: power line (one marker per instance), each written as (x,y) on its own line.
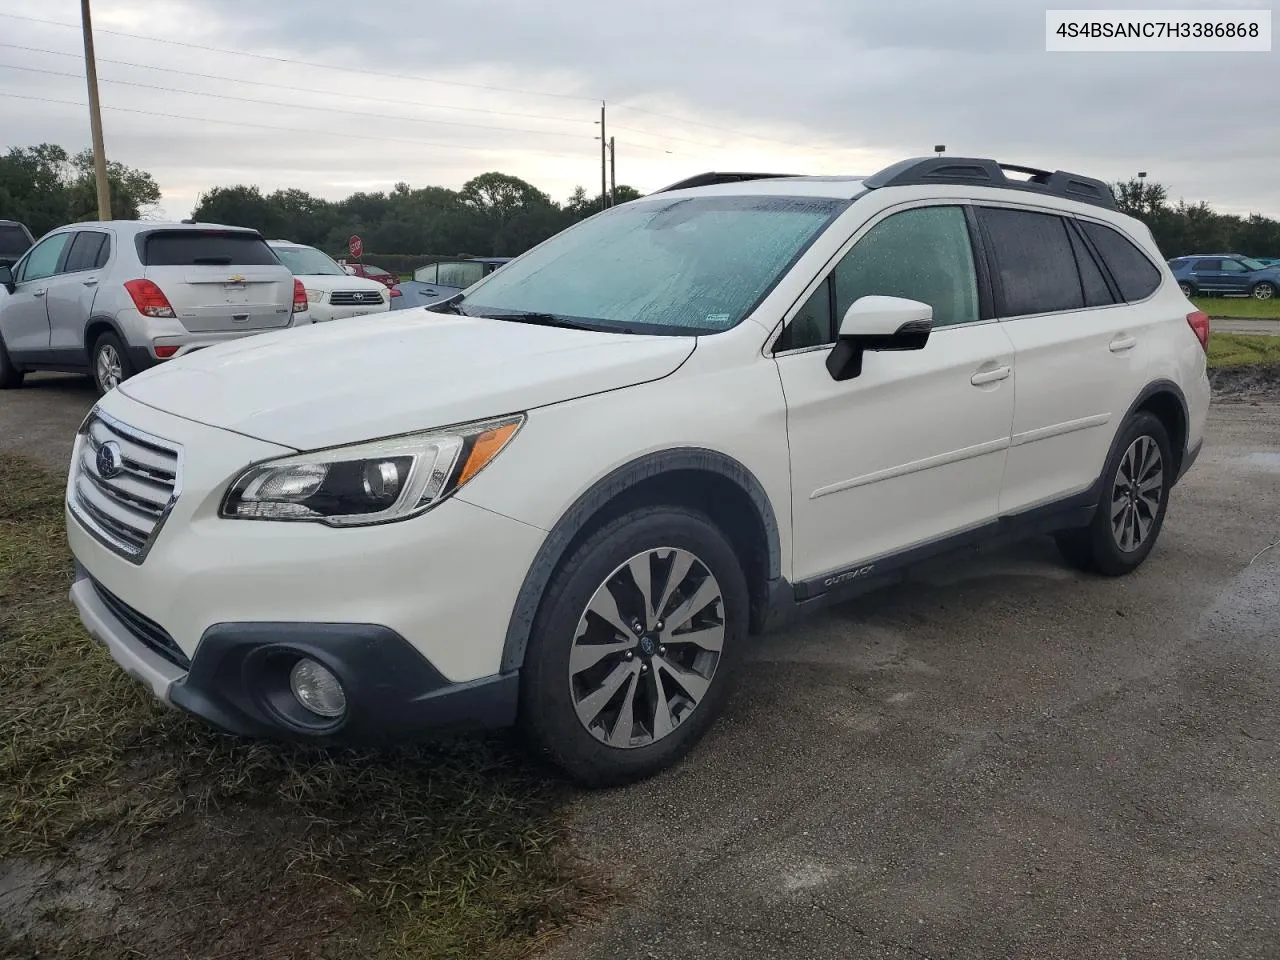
(280,129)
(308,63)
(702,123)
(298,106)
(280,86)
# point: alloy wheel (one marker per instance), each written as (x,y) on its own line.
(109,369)
(1263,291)
(1136,493)
(646,647)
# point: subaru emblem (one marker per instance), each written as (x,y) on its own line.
(109,461)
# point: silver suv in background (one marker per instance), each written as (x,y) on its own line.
(110,299)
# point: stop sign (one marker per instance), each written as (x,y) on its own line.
(356,246)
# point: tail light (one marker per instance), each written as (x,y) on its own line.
(1199,323)
(396,293)
(149,299)
(299,297)
(164,353)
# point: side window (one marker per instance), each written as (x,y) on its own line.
(1096,291)
(1201,266)
(426,274)
(42,260)
(460,274)
(1135,274)
(104,253)
(86,249)
(923,254)
(1036,266)
(1234,266)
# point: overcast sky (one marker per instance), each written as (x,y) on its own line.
(810,86)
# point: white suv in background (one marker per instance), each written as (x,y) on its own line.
(566,501)
(332,293)
(110,299)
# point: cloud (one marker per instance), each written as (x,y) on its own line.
(806,85)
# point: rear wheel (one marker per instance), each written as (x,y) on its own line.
(1263,291)
(1187,289)
(10,376)
(1131,510)
(111,365)
(632,650)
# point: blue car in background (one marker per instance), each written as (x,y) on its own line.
(1224,274)
(439,281)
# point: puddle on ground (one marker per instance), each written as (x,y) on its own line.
(1260,459)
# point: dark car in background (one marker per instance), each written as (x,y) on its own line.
(15,240)
(1225,274)
(438,281)
(370,272)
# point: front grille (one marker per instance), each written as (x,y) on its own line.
(355,298)
(146,631)
(123,484)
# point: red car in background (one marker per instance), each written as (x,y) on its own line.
(389,280)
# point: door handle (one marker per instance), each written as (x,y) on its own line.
(38,293)
(1122,343)
(91,282)
(983,377)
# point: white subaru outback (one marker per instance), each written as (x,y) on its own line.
(566,501)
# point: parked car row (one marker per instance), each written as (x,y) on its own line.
(1226,273)
(111,299)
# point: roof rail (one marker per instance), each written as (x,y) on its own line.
(710,179)
(926,171)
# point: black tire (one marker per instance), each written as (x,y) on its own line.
(1187,289)
(10,376)
(1263,290)
(548,716)
(109,341)
(1098,548)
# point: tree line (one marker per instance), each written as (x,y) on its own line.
(494,214)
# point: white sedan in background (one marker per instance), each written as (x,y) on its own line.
(332,293)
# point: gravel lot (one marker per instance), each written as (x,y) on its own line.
(1002,759)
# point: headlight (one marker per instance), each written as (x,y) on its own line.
(371,482)
(315,296)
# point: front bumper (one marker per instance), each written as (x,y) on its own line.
(237,680)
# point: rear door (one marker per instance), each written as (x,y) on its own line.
(1081,352)
(71,293)
(24,315)
(1208,275)
(218,279)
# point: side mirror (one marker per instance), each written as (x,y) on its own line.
(6,277)
(878,323)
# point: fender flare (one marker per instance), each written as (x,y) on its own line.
(601,493)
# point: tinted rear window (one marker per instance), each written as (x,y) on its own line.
(1036,267)
(87,252)
(1135,275)
(1096,292)
(192,248)
(13,241)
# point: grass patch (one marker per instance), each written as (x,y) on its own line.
(1246,307)
(1228,350)
(145,833)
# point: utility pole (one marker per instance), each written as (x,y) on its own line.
(95,115)
(604,146)
(613,173)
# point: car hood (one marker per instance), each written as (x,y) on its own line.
(372,377)
(334,281)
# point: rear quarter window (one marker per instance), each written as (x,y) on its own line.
(1135,274)
(1036,266)
(193,248)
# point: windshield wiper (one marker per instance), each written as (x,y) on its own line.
(545,320)
(450,305)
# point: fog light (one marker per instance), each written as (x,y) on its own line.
(317,689)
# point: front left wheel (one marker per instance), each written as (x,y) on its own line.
(632,650)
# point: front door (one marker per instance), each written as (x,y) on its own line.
(913,449)
(24,314)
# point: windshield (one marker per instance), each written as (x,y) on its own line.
(1253,264)
(308,262)
(674,266)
